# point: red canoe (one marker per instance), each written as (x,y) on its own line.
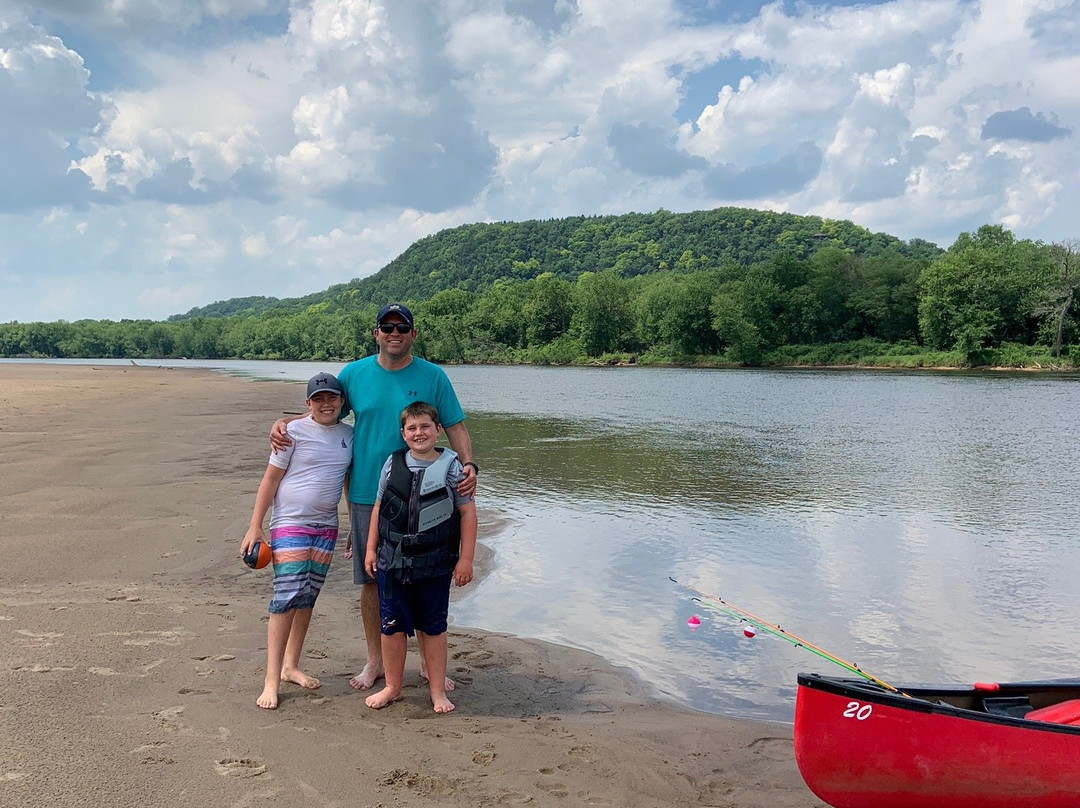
(859,745)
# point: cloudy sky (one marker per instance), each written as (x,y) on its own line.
(161,154)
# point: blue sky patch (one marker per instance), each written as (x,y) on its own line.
(701,88)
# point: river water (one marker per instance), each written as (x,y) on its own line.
(920,525)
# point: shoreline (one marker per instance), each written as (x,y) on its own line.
(152,364)
(133,641)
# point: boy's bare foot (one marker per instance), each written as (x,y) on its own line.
(367,678)
(448,683)
(442,705)
(268,699)
(385,696)
(298,677)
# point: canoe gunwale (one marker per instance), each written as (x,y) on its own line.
(922,698)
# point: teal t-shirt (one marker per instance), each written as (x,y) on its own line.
(376,397)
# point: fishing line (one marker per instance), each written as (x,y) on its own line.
(721,605)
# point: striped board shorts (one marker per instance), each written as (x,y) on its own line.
(301,557)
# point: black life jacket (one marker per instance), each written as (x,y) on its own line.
(419,527)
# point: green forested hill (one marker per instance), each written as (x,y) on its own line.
(472,257)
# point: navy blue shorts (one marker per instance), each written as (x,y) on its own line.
(416,606)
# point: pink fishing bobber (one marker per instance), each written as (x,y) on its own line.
(749,631)
(693,622)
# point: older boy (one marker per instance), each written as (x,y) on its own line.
(304,482)
(422,535)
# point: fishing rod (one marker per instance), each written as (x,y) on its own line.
(721,605)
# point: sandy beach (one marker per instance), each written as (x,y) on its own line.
(133,641)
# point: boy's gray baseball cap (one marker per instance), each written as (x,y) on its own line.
(323,383)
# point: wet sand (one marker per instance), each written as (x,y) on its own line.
(132,641)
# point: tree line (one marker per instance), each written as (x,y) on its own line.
(989,299)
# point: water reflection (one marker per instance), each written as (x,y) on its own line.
(911,524)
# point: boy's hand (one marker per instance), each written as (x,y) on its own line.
(369,564)
(348,546)
(253,535)
(463,572)
(279,438)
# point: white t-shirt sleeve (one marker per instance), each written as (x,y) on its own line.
(283,457)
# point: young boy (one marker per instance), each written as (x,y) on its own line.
(304,482)
(422,535)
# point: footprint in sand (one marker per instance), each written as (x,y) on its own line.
(772,747)
(477,659)
(514,798)
(420,784)
(555,789)
(485,756)
(240,767)
(169,718)
(583,752)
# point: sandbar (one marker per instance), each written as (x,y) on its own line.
(132,641)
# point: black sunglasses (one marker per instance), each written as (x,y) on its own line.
(388,328)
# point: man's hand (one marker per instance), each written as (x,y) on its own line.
(467,487)
(279,438)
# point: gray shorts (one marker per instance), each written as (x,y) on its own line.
(359,520)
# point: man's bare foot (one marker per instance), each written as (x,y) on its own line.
(442,705)
(298,677)
(268,699)
(448,683)
(385,696)
(367,678)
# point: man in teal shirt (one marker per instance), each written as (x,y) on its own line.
(377,388)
